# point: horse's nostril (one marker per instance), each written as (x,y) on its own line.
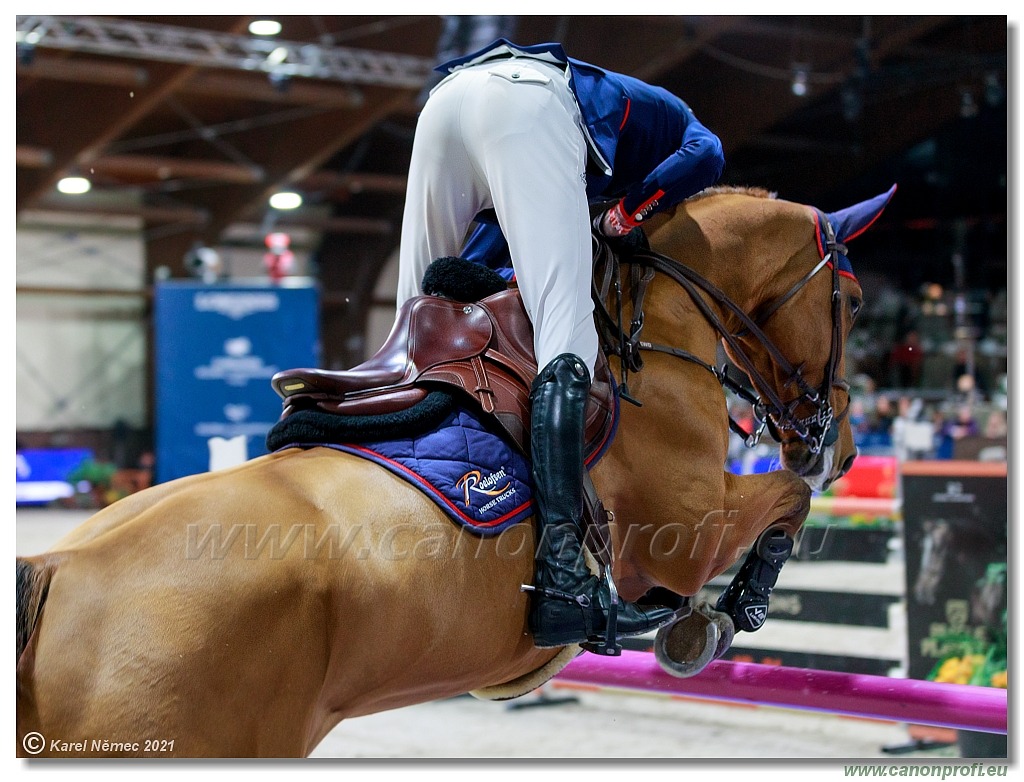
(847,464)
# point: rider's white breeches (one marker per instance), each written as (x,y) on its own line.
(506,135)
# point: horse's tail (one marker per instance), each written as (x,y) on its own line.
(34,576)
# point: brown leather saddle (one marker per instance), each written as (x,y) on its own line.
(480,351)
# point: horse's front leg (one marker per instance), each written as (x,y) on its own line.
(745,600)
(762,515)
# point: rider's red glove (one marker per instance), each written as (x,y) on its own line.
(616,222)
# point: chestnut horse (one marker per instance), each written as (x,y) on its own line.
(245,612)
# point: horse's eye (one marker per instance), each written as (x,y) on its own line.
(855,305)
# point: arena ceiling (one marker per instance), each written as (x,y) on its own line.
(188,124)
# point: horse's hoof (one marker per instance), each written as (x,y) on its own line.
(726,630)
(686,647)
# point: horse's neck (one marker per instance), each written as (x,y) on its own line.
(666,459)
(647,477)
(742,245)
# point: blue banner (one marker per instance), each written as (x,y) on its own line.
(43,474)
(216,348)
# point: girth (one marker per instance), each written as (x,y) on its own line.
(482,351)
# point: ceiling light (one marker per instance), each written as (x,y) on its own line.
(265,27)
(74,185)
(286,200)
(278,56)
(799,85)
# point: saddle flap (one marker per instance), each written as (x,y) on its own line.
(513,332)
(446,330)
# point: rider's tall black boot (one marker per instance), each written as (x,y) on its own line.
(569,604)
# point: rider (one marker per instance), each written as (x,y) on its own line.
(522,139)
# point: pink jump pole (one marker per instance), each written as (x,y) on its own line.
(879,697)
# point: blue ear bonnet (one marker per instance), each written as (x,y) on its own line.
(851,222)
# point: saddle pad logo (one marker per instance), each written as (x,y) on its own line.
(474,482)
(756,614)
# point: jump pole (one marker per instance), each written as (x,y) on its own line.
(959,706)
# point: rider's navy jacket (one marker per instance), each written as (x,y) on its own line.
(646,146)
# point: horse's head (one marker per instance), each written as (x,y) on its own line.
(795,348)
(936,545)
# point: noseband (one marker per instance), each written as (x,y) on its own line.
(817,430)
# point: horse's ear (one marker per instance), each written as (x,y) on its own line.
(851,222)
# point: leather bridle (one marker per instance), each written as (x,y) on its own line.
(817,430)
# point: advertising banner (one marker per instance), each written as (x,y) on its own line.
(44,474)
(216,348)
(955,519)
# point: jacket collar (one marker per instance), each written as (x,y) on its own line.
(547,52)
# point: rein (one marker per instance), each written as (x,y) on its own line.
(817,430)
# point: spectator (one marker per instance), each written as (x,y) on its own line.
(905,360)
(858,418)
(912,438)
(967,380)
(883,417)
(996,433)
(995,426)
(961,424)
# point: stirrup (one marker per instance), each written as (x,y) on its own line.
(609,645)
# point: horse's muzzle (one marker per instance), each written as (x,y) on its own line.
(847,464)
(798,458)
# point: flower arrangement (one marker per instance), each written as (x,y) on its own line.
(978,657)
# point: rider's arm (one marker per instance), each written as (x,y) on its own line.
(695,165)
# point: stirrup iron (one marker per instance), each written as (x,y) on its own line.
(609,645)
